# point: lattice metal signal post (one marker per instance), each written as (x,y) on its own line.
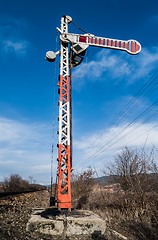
(78,44)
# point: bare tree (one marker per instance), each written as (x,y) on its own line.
(135,169)
(15,183)
(81,183)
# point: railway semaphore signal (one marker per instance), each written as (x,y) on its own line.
(77,45)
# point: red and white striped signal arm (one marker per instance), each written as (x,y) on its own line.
(131,46)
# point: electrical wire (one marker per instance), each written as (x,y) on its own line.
(102,149)
(105,149)
(150,81)
(136,105)
(147,84)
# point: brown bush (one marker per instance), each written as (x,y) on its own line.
(131,209)
(15,183)
(81,184)
(136,170)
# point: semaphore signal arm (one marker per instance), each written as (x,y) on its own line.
(83,41)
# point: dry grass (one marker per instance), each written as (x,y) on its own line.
(132,212)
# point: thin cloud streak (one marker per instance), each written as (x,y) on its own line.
(19,47)
(11,31)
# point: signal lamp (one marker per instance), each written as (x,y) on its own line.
(50,56)
(76,60)
(79,48)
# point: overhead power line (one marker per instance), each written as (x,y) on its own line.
(137,118)
(106,147)
(92,158)
(137,104)
(134,139)
(117,120)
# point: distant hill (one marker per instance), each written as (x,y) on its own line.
(105,180)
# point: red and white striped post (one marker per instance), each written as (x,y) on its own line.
(64,169)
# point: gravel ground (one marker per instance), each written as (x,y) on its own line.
(15,212)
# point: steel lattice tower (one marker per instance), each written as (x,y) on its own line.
(64,188)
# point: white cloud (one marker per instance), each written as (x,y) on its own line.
(25,148)
(119,65)
(97,151)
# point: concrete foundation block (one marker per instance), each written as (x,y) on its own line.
(87,224)
(80,224)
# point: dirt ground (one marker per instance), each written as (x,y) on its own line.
(15,212)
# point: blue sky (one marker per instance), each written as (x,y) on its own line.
(111,79)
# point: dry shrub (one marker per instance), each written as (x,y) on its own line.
(137,173)
(123,212)
(81,185)
(136,170)
(15,183)
(132,210)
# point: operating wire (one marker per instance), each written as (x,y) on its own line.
(79,27)
(83,68)
(54,95)
(87,53)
